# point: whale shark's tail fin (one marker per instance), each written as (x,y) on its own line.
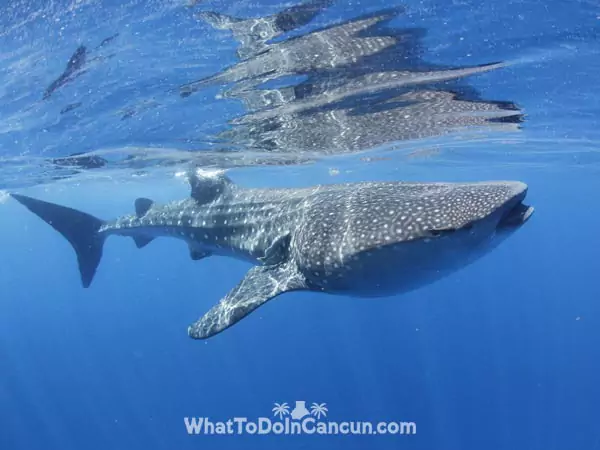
(79,228)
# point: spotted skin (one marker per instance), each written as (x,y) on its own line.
(367,239)
(242,225)
(361,239)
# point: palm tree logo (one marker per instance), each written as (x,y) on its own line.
(281,410)
(318,410)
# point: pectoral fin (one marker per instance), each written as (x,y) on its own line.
(260,284)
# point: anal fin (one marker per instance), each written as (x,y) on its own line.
(260,284)
(197,255)
(142,241)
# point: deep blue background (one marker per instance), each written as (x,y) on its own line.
(502,355)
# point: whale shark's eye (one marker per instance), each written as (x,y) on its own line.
(437,233)
(441,232)
(446,231)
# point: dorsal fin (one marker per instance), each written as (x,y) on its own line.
(142,205)
(207,187)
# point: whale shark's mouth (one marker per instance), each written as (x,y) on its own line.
(515,216)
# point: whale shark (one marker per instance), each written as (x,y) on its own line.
(366,239)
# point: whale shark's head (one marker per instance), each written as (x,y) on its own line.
(402,235)
(491,206)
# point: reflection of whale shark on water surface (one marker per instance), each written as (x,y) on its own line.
(414,115)
(363,86)
(75,68)
(72,71)
(333,47)
(254,33)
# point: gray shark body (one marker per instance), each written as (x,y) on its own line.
(363,239)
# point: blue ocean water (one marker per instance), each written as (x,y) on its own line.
(500,355)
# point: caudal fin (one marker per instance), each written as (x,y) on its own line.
(79,228)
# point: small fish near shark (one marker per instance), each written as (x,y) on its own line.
(367,239)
